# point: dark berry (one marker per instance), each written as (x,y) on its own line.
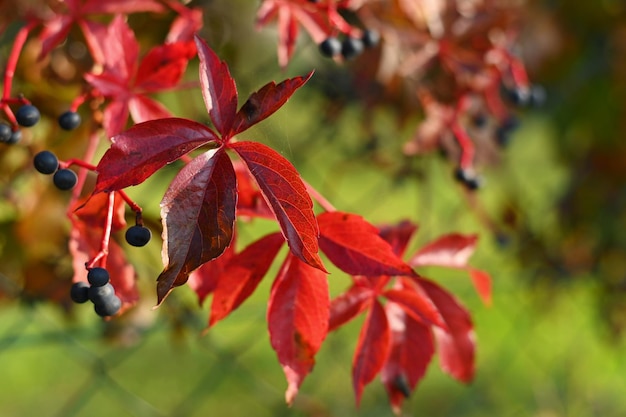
(98,277)
(100,295)
(370,38)
(79,293)
(330,47)
(65,179)
(479,120)
(5,132)
(351,47)
(109,307)
(27,115)
(69,120)
(537,96)
(16,136)
(46,162)
(138,235)
(505,131)
(469,178)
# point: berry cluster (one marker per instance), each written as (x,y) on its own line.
(26,116)
(350,47)
(99,291)
(47,163)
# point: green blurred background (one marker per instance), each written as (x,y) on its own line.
(550,221)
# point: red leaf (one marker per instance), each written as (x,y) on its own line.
(164,65)
(298,319)
(143,109)
(204,280)
(121,49)
(348,305)
(285,193)
(265,102)
(372,349)
(416,304)
(456,345)
(355,247)
(115,117)
(243,274)
(482,283)
(198,214)
(144,148)
(92,211)
(453,251)
(121,6)
(412,349)
(218,88)
(398,236)
(188,22)
(287,35)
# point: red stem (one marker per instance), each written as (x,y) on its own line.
(133,206)
(101,257)
(18,44)
(466,144)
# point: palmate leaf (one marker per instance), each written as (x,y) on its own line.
(297,316)
(198,214)
(286,195)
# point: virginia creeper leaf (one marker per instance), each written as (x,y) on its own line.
(263,103)
(285,193)
(398,235)
(218,88)
(416,304)
(242,275)
(250,201)
(143,109)
(457,344)
(141,150)
(298,319)
(198,214)
(348,305)
(355,247)
(372,349)
(452,251)
(164,66)
(412,349)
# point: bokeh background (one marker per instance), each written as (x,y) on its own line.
(550,219)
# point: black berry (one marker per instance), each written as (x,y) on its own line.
(370,38)
(138,235)
(69,120)
(99,295)
(505,130)
(330,47)
(469,178)
(79,292)
(5,132)
(98,277)
(46,162)
(15,137)
(110,307)
(65,179)
(351,47)
(27,115)
(537,96)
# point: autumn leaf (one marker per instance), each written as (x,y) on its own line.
(372,349)
(198,212)
(286,194)
(143,149)
(354,246)
(297,315)
(242,274)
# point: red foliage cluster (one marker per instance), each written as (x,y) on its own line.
(200,207)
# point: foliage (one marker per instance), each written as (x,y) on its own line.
(449,59)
